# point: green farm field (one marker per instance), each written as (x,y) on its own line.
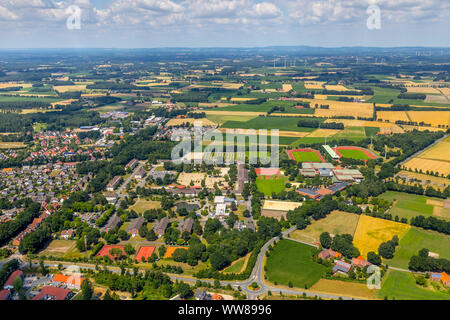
(291,261)
(416,239)
(281,123)
(410,205)
(400,285)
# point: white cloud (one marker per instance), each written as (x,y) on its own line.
(266,10)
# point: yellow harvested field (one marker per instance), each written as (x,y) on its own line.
(93,95)
(336,88)
(420,128)
(142,205)
(287,87)
(345,288)
(11,145)
(340,108)
(436,159)
(377,124)
(434,118)
(337,222)
(319,133)
(79,87)
(429,90)
(392,116)
(314,85)
(393,129)
(445,91)
(431,165)
(293,134)
(64,102)
(213,104)
(242,99)
(371,232)
(4,85)
(281,205)
(203,121)
(234,113)
(171,250)
(28,111)
(229,85)
(348,122)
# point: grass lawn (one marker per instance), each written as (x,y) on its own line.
(371,131)
(142,205)
(337,222)
(354,154)
(306,156)
(350,133)
(291,261)
(237,266)
(269,186)
(402,286)
(416,239)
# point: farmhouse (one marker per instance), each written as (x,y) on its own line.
(328,253)
(360,262)
(443,277)
(341,266)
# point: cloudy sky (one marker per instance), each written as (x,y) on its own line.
(222,23)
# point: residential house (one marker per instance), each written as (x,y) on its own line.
(135,225)
(67,234)
(53,293)
(328,253)
(9,284)
(341,266)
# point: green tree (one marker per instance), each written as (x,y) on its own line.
(86,290)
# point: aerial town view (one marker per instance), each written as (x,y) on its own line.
(197,168)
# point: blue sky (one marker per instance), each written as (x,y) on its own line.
(222,23)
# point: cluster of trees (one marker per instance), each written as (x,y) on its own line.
(387,249)
(342,243)
(147,285)
(415,96)
(20,222)
(431,223)
(316,123)
(423,263)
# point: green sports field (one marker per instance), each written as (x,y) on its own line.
(400,285)
(269,186)
(291,261)
(416,239)
(354,154)
(306,156)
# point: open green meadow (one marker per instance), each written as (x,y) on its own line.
(400,285)
(269,186)
(411,205)
(291,261)
(416,239)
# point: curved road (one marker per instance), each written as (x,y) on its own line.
(256,275)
